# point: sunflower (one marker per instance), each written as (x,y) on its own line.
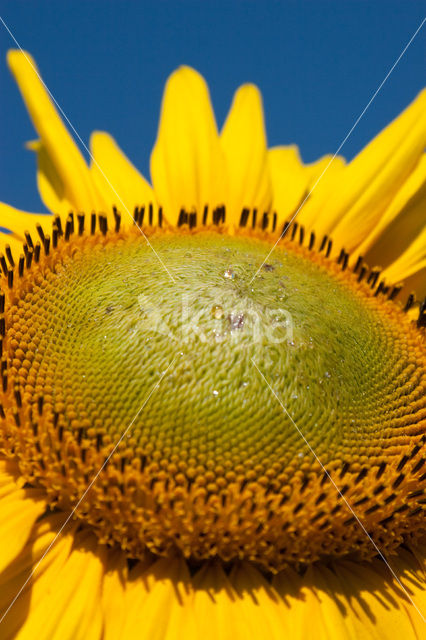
(213,411)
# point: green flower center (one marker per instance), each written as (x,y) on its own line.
(209,391)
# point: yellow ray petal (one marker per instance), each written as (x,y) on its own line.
(323,168)
(19,510)
(156,601)
(70,608)
(119,182)
(402,221)
(371,180)
(377,606)
(289,181)
(322,593)
(350,600)
(323,177)
(18,222)
(38,542)
(216,607)
(308,615)
(187,161)
(18,514)
(50,184)
(11,241)
(409,566)
(410,262)
(293,181)
(243,141)
(40,558)
(116,574)
(58,149)
(263,610)
(414,284)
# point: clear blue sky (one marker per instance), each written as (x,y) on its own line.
(316,63)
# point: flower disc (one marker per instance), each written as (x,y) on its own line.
(213,413)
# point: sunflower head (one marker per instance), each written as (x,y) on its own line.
(213,465)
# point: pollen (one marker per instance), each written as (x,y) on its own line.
(137,390)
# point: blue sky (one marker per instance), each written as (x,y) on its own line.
(316,63)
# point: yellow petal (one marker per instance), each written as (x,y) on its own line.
(321,178)
(113,602)
(261,606)
(157,606)
(410,262)
(19,510)
(292,182)
(409,566)
(378,608)
(8,240)
(70,608)
(243,141)
(216,607)
(317,612)
(402,221)
(18,515)
(50,185)
(309,616)
(17,222)
(347,600)
(119,182)
(61,151)
(371,180)
(187,161)
(414,284)
(322,592)
(323,169)
(289,181)
(39,560)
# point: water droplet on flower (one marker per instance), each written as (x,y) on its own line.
(229,274)
(327,374)
(217,311)
(215,393)
(294,396)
